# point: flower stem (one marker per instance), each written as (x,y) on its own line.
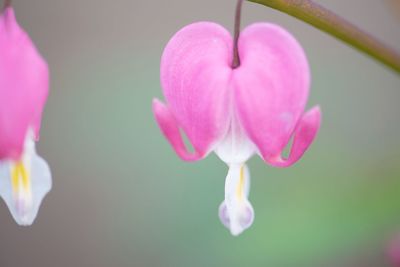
(238,15)
(6,4)
(326,20)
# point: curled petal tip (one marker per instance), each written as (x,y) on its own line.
(170,129)
(304,135)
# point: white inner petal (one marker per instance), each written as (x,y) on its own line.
(24,184)
(236,212)
(235,147)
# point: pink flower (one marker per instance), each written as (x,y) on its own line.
(24,81)
(393,250)
(236,112)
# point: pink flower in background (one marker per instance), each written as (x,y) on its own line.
(393,250)
(236,112)
(24,81)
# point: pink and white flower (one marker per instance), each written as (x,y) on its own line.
(255,108)
(24,82)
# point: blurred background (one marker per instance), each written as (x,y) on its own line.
(121,197)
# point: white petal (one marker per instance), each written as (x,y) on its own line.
(24,196)
(235,147)
(236,212)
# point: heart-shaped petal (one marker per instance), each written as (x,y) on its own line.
(195,76)
(271,86)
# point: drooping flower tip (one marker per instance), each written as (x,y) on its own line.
(169,127)
(24,183)
(304,134)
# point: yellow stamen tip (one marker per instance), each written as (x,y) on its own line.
(20,180)
(240,186)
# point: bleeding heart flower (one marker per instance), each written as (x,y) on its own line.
(24,81)
(236,112)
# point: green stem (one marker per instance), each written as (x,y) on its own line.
(329,22)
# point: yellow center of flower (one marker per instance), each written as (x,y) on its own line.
(21,182)
(240,186)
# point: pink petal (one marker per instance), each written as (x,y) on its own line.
(271,86)
(170,129)
(304,135)
(24,82)
(195,76)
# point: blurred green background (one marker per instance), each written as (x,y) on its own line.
(121,196)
